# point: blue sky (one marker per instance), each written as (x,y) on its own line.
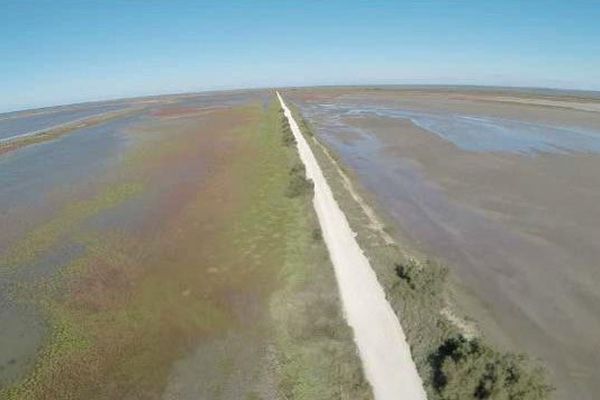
(57,52)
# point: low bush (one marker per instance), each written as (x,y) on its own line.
(469,369)
(305,126)
(299,186)
(426,279)
(317,235)
(288,137)
(298,169)
(458,367)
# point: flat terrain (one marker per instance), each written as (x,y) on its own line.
(161,255)
(503,187)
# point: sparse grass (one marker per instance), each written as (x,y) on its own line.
(417,291)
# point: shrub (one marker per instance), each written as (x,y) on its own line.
(298,184)
(428,278)
(298,169)
(288,137)
(306,128)
(468,369)
(317,235)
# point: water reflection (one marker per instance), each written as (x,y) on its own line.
(478,133)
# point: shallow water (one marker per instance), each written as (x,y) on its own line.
(479,133)
(22,333)
(22,123)
(27,176)
(510,205)
(17,124)
(30,179)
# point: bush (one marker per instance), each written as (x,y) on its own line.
(306,128)
(298,169)
(298,185)
(468,369)
(428,278)
(317,235)
(288,137)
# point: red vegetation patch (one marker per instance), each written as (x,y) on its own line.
(103,287)
(176,111)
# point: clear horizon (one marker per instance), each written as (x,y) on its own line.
(64,52)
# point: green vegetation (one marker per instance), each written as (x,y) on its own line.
(467,368)
(458,367)
(298,185)
(305,127)
(428,279)
(453,365)
(287,137)
(316,352)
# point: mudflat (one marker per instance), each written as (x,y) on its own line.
(502,186)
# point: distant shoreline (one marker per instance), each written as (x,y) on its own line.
(549,91)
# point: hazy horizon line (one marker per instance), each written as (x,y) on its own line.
(593,92)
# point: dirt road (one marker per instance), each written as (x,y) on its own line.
(377,332)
